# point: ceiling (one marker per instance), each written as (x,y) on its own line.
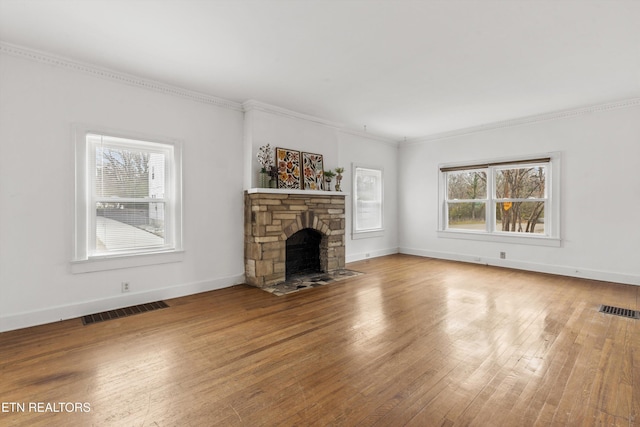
(403,69)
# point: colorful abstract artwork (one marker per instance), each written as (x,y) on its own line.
(312,171)
(288,162)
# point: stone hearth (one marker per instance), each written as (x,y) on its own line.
(271,216)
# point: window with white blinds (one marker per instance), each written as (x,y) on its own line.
(130,197)
(367,201)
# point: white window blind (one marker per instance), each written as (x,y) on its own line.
(367,199)
(130,206)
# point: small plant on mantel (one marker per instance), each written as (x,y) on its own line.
(338,178)
(328,176)
(265,158)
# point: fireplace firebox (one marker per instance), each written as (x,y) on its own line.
(303,253)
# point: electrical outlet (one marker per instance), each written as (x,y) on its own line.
(367,255)
(125,286)
(503,255)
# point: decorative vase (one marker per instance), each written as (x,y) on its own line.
(338,179)
(263,179)
(327,184)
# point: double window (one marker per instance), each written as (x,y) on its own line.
(128,198)
(501,198)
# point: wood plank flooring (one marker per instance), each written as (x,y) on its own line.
(414,341)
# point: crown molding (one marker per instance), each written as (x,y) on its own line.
(538,118)
(253,104)
(367,135)
(108,74)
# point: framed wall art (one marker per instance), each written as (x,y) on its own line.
(288,163)
(312,171)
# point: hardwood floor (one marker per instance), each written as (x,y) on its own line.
(414,341)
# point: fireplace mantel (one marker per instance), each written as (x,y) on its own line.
(273,215)
(310,193)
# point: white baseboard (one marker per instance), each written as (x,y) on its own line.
(72,311)
(372,254)
(561,270)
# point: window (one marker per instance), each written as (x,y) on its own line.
(466,199)
(501,199)
(128,199)
(367,202)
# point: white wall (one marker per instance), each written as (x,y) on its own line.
(600,194)
(38,105)
(272,125)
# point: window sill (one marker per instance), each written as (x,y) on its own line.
(125,261)
(503,238)
(367,234)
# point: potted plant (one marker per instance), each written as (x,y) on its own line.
(338,178)
(328,176)
(265,158)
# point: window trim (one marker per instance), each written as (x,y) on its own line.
(82,261)
(368,233)
(552,235)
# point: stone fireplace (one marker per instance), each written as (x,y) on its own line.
(288,232)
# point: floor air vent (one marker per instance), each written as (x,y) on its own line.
(617,311)
(123,312)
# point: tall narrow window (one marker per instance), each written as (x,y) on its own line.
(128,199)
(367,201)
